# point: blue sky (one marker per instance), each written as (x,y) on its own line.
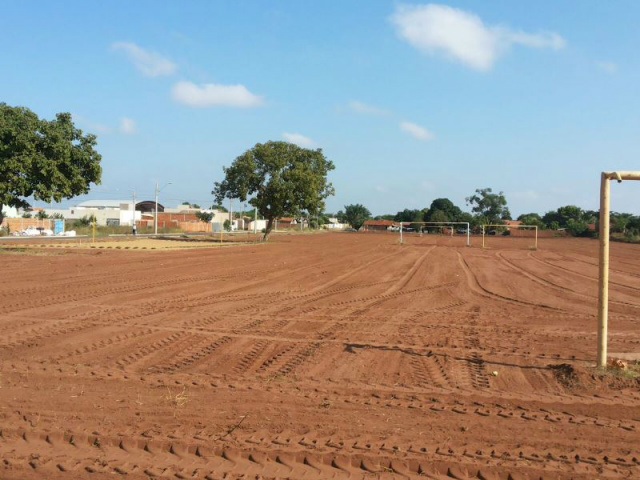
(412,101)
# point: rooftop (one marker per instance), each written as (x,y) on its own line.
(103,203)
(386,223)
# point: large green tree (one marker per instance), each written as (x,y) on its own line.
(355,215)
(443,210)
(282,179)
(408,215)
(489,207)
(46,160)
(532,219)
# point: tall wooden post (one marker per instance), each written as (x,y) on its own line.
(603,277)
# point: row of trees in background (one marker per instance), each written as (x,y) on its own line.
(577,221)
(489,208)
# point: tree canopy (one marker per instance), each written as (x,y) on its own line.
(531,219)
(282,179)
(204,216)
(490,207)
(443,210)
(356,215)
(408,215)
(47,160)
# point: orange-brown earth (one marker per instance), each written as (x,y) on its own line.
(317,356)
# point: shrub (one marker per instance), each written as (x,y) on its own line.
(84,221)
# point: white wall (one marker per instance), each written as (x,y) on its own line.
(101,214)
(126,217)
(260,224)
(10,212)
(336,226)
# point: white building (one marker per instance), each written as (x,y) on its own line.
(9,212)
(334,224)
(120,212)
(257,225)
(107,212)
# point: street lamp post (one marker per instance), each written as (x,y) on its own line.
(155,218)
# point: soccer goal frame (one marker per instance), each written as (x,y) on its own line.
(603,273)
(438,224)
(535,227)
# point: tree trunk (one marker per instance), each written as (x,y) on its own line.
(268,229)
(1,214)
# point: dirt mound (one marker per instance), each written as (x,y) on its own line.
(580,379)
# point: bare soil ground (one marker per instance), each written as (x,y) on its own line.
(318,356)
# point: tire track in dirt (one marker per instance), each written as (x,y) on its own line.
(195,352)
(478,288)
(428,370)
(595,264)
(350,273)
(150,349)
(578,274)
(547,283)
(75,453)
(32,336)
(104,344)
(406,278)
(162,352)
(252,357)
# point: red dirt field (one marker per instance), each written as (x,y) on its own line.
(318,356)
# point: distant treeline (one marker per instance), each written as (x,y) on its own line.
(491,208)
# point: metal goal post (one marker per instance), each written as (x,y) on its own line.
(603,276)
(437,224)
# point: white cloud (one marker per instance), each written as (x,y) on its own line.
(416,130)
(298,139)
(462,35)
(360,107)
(214,95)
(381,189)
(150,63)
(128,126)
(608,67)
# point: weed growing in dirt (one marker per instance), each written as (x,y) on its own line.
(178,399)
(630,371)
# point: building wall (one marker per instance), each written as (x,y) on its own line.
(259,225)
(336,226)
(377,228)
(199,227)
(529,232)
(170,218)
(19,224)
(9,212)
(104,216)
